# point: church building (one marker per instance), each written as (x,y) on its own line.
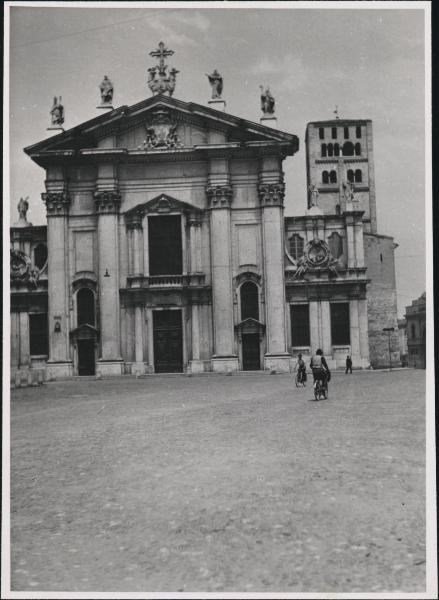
(166,247)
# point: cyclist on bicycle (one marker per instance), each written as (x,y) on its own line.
(301,369)
(320,369)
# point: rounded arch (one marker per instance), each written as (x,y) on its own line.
(350,175)
(40,256)
(358,176)
(413,331)
(330,150)
(249,300)
(323,150)
(333,176)
(335,244)
(358,149)
(336,150)
(325,177)
(85,307)
(296,246)
(348,149)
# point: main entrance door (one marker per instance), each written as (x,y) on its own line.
(86,357)
(251,359)
(168,341)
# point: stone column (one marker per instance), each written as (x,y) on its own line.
(107,207)
(224,358)
(354,330)
(350,241)
(326,328)
(314,328)
(271,194)
(364,333)
(59,363)
(359,243)
(15,340)
(24,340)
(138,366)
(137,248)
(145,245)
(196,365)
(194,243)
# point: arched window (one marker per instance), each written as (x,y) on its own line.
(323,149)
(346,133)
(296,246)
(336,150)
(413,331)
(325,177)
(358,131)
(358,149)
(358,176)
(40,255)
(348,149)
(330,150)
(333,176)
(321,133)
(335,244)
(85,305)
(350,175)
(249,301)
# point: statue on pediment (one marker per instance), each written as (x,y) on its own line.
(267,101)
(313,195)
(216,83)
(106,89)
(23,207)
(57,113)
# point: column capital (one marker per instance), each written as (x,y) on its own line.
(134,221)
(107,202)
(271,194)
(57,203)
(220,196)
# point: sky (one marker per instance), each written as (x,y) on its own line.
(370,63)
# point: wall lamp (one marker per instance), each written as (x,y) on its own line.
(107,274)
(57,327)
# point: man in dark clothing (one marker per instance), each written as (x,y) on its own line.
(348,365)
(320,369)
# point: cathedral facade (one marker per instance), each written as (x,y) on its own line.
(166,248)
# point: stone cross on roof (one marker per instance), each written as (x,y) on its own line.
(161,53)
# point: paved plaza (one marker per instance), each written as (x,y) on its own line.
(219,483)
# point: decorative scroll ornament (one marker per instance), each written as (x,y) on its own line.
(317,255)
(272,193)
(161,132)
(159,81)
(22,270)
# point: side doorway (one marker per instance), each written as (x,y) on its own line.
(168,341)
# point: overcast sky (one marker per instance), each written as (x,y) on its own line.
(368,62)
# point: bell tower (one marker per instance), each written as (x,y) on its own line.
(338,152)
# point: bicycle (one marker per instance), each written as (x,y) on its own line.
(299,379)
(320,390)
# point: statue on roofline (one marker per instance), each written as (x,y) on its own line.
(106,89)
(216,83)
(267,101)
(57,112)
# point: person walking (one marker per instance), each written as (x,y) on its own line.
(301,369)
(348,365)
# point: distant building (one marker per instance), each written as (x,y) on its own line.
(416,320)
(402,334)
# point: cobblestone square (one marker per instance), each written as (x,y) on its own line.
(219,484)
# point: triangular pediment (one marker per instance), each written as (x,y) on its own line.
(84,332)
(250,325)
(162,204)
(117,124)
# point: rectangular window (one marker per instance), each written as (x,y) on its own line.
(340,326)
(358,131)
(300,325)
(346,133)
(334,133)
(165,247)
(321,133)
(38,334)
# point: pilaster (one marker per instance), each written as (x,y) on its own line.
(107,203)
(271,192)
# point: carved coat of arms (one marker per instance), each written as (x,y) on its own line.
(317,255)
(161,132)
(22,270)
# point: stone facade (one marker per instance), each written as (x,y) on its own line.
(168,249)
